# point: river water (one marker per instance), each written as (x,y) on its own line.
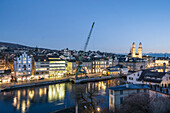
(49,98)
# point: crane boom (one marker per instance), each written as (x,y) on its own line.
(85,47)
(80,68)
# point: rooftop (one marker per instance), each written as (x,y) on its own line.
(129,86)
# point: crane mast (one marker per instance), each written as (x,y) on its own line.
(85,47)
(80,69)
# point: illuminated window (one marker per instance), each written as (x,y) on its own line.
(24,62)
(130,78)
(24,58)
(19,61)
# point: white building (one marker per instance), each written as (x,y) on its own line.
(147,77)
(166,80)
(118,93)
(23,65)
(132,78)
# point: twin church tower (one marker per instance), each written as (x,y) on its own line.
(133,51)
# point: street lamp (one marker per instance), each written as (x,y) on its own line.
(98,109)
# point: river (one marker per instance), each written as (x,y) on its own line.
(49,98)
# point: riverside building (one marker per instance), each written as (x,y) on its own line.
(40,67)
(23,65)
(57,66)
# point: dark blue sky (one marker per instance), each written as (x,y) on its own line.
(59,24)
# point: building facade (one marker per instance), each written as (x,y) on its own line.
(99,64)
(118,93)
(23,65)
(57,66)
(40,67)
(72,66)
(149,77)
(135,64)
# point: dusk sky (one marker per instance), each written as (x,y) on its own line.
(59,24)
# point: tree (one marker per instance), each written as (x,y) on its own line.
(87,99)
(160,105)
(144,103)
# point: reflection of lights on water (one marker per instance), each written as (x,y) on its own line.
(40,92)
(56,92)
(31,94)
(28,103)
(101,86)
(19,95)
(24,92)
(45,91)
(23,106)
(59,103)
(15,101)
(18,105)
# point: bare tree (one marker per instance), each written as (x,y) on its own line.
(88,99)
(160,105)
(144,103)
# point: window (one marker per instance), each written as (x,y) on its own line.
(111,92)
(121,100)
(111,100)
(130,78)
(138,91)
(145,90)
(121,92)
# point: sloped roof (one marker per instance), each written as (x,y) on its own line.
(147,73)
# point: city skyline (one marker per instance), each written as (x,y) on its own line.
(66,24)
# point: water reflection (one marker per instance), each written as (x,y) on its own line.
(56,92)
(55,96)
(22,98)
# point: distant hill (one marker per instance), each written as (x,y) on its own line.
(12,45)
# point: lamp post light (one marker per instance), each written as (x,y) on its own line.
(98,109)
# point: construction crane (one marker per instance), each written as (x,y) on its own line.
(80,69)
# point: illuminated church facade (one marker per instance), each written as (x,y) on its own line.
(133,52)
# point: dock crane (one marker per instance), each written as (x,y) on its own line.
(80,68)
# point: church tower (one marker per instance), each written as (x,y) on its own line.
(133,50)
(140,50)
